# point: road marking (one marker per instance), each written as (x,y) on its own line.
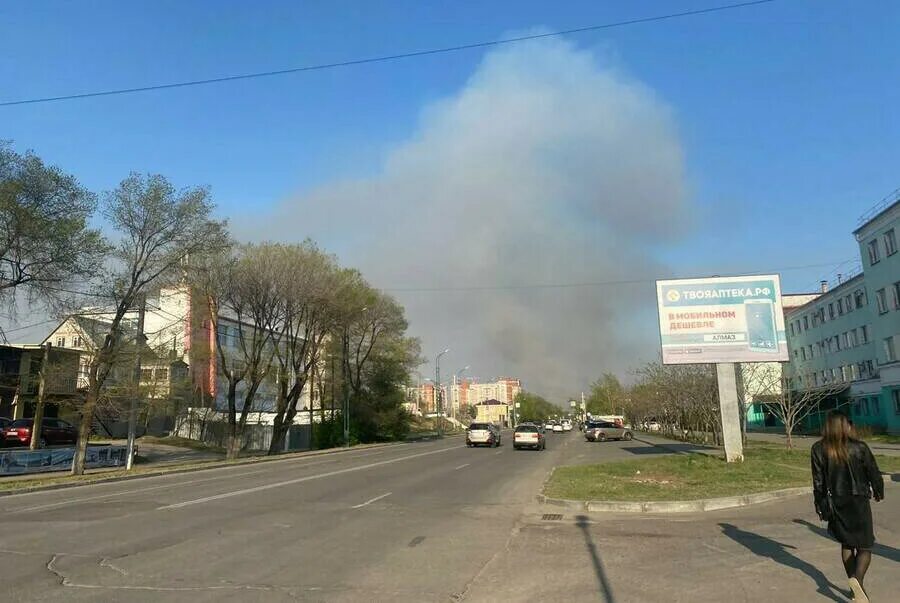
(499,452)
(125,492)
(300,480)
(461,466)
(369,502)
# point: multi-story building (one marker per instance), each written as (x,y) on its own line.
(181,349)
(462,393)
(493,411)
(850,335)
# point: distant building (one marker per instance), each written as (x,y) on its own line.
(492,411)
(850,334)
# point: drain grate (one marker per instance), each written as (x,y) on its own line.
(551,517)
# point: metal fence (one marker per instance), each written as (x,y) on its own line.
(17,462)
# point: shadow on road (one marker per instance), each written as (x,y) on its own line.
(888,552)
(778,552)
(606,590)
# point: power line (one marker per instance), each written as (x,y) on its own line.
(582,284)
(385,58)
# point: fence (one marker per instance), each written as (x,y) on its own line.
(211,427)
(17,462)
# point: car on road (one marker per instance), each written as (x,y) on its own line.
(558,428)
(53,431)
(528,435)
(567,425)
(483,434)
(600,431)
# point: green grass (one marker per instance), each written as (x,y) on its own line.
(883,438)
(688,476)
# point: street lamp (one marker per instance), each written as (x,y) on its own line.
(456,385)
(437,390)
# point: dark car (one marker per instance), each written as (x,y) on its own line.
(600,431)
(53,431)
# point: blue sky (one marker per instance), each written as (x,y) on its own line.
(787,112)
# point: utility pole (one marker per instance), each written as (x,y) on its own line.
(132,412)
(38,424)
(437,392)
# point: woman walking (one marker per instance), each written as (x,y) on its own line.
(845,475)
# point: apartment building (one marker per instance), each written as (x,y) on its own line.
(850,334)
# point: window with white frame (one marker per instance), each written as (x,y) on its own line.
(860,298)
(890,350)
(873,252)
(881,301)
(841,307)
(831,311)
(864,334)
(890,242)
(60,342)
(896,290)
(854,372)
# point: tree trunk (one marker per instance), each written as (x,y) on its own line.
(233,438)
(84,428)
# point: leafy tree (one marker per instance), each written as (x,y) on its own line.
(606,396)
(533,407)
(471,412)
(45,241)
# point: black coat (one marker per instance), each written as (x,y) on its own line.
(858,477)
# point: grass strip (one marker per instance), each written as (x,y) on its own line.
(689,476)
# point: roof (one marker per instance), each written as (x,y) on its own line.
(491,402)
(881,208)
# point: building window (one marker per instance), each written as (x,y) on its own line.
(837,343)
(890,351)
(881,301)
(60,342)
(845,373)
(896,290)
(873,252)
(848,303)
(793,332)
(806,323)
(845,339)
(803,353)
(890,242)
(841,307)
(864,334)
(876,406)
(895,396)
(860,298)
(831,311)
(146,374)
(854,372)
(835,374)
(77,342)
(870,366)
(162,374)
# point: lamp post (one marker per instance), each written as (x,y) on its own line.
(437,391)
(456,385)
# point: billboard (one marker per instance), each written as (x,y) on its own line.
(721,319)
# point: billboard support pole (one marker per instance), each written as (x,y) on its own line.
(730,413)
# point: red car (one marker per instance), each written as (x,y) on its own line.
(53,431)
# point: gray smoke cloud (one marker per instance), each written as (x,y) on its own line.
(545,168)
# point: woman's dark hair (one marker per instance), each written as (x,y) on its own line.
(835,435)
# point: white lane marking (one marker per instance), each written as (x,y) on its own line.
(125,492)
(299,480)
(499,452)
(369,502)
(461,466)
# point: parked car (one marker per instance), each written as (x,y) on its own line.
(483,434)
(600,431)
(53,431)
(529,436)
(4,422)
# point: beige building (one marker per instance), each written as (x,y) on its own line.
(492,411)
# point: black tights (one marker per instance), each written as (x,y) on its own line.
(856,562)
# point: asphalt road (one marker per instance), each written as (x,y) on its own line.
(427,521)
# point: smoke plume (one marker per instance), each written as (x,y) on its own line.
(546,168)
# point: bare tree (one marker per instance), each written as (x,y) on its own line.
(792,406)
(245,314)
(312,287)
(159,228)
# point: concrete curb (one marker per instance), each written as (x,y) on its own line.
(682,506)
(206,466)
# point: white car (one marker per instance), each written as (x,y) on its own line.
(557,428)
(567,425)
(482,434)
